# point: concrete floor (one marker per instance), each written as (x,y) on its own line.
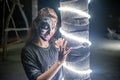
(104,62)
(12,68)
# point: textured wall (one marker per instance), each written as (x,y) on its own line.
(74,25)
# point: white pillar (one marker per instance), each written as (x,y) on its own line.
(75,28)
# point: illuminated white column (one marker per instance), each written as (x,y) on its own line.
(75,29)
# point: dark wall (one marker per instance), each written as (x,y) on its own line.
(1,18)
(27,9)
(19,21)
(104,13)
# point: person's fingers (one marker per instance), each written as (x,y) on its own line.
(60,48)
(62,41)
(63,50)
(64,45)
(68,51)
(58,42)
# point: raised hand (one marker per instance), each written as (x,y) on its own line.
(63,51)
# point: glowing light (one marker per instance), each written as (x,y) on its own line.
(76,38)
(77,71)
(77,11)
(89,1)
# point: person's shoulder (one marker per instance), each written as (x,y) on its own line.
(29,47)
(29,50)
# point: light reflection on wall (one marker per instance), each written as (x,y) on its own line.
(74,10)
(75,29)
(73,69)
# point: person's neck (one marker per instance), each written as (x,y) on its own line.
(42,43)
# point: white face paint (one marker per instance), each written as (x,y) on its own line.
(44,28)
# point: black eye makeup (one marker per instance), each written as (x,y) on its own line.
(44,26)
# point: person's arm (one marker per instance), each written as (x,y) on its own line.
(50,73)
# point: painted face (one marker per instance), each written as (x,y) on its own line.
(44,28)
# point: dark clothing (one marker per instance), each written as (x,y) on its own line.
(37,60)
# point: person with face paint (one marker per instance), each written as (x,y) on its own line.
(42,57)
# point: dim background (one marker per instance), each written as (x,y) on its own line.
(104,13)
(105,53)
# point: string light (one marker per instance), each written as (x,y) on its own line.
(76,38)
(71,68)
(77,11)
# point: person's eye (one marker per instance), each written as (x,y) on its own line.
(46,27)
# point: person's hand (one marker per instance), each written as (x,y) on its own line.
(58,42)
(63,51)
